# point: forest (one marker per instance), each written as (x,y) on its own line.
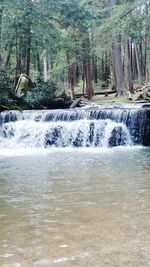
(74,133)
(73,47)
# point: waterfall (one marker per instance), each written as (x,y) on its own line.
(91,127)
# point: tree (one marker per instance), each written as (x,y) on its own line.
(1,17)
(77,43)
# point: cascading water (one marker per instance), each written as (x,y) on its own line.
(96,127)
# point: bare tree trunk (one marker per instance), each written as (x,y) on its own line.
(45,66)
(94,69)
(48,62)
(103,69)
(77,74)
(138,63)
(28,50)
(9,54)
(83,80)
(106,70)
(148,54)
(87,66)
(17,56)
(71,75)
(134,71)
(88,77)
(38,63)
(118,69)
(38,59)
(72,79)
(112,75)
(127,67)
(131,58)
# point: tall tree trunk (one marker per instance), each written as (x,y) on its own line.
(71,79)
(48,62)
(134,64)
(38,59)
(112,75)
(38,63)
(77,74)
(83,80)
(94,68)
(17,55)
(148,57)
(87,67)
(138,63)
(147,46)
(45,66)
(88,77)
(127,66)
(9,54)
(28,50)
(71,76)
(102,68)
(117,62)
(106,70)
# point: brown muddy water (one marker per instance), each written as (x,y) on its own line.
(77,207)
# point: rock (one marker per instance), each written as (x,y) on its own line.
(146,130)
(24,84)
(59,103)
(118,137)
(146,105)
(52,138)
(79,139)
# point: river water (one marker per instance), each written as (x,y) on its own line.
(75,207)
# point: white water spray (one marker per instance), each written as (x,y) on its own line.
(45,129)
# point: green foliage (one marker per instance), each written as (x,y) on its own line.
(75,15)
(64,34)
(42,95)
(6,89)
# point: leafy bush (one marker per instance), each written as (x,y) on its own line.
(43,94)
(6,89)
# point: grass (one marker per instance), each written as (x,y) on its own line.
(123,99)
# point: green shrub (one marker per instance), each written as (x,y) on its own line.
(42,95)
(6,89)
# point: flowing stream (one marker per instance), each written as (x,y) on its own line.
(74,189)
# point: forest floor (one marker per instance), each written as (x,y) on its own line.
(111,98)
(141,93)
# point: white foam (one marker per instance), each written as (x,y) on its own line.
(32,134)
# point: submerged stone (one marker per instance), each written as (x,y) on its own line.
(118,137)
(53,136)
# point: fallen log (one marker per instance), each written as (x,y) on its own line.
(141,94)
(76,103)
(141,89)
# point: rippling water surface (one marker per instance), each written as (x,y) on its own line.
(80,207)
